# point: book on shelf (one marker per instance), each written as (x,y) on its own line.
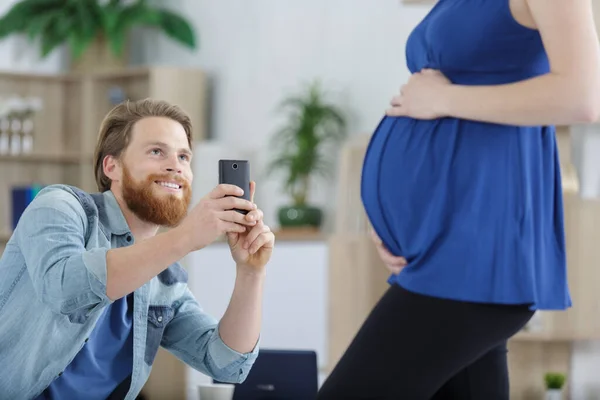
(21,197)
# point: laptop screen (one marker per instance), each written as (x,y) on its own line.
(280,374)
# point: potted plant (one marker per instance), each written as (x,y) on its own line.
(303,147)
(554,385)
(96,32)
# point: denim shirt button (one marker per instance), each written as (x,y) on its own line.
(86,339)
(60,373)
(128,238)
(159,318)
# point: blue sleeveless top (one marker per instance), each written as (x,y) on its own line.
(476,208)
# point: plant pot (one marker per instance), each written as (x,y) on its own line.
(300,217)
(554,394)
(99,58)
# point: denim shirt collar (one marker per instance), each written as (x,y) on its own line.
(114,218)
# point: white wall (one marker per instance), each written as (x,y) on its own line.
(586,155)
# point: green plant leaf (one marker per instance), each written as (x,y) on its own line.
(78,44)
(51,38)
(87,21)
(135,14)
(38,25)
(86,25)
(177,28)
(58,29)
(22,14)
(110,15)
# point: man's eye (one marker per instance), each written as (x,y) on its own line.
(184,157)
(155,151)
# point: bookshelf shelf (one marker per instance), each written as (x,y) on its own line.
(45,158)
(303,235)
(73,106)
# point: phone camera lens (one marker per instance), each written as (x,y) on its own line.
(234,166)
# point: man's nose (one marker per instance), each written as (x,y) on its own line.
(175,170)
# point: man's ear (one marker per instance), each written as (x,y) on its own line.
(112,168)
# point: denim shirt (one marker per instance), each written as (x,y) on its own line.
(53,289)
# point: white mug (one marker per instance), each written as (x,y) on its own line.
(215,391)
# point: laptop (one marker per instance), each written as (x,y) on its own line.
(281,375)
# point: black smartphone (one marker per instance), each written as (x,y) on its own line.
(236,172)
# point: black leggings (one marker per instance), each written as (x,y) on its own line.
(417,347)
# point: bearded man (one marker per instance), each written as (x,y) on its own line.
(90,289)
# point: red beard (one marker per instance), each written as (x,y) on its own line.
(167,210)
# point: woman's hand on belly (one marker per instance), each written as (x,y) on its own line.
(421,97)
(392,262)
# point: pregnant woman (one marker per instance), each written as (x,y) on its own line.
(462,186)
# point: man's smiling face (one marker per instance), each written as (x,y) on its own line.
(156,171)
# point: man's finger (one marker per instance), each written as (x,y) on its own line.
(232,227)
(229,203)
(232,238)
(255,215)
(235,217)
(263,240)
(255,232)
(225,189)
(252,189)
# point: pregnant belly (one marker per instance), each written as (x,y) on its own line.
(448,182)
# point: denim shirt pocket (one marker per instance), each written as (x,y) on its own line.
(158,318)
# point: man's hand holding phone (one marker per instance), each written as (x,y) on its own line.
(252,249)
(214,216)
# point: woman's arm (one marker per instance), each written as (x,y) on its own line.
(569,94)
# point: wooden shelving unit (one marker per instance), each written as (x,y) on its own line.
(67,126)
(302,235)
(44,158)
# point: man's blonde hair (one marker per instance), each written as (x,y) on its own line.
(116,128)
